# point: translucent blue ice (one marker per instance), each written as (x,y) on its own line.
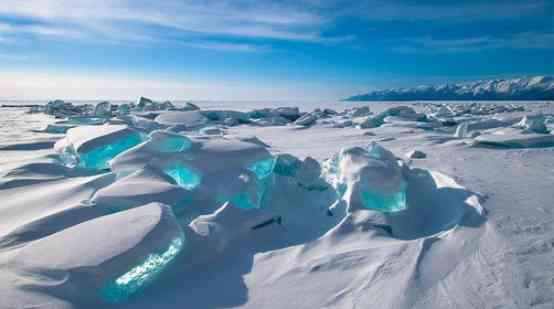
(99,157)
(244,201)
(142,275)
(263,168)
(385,202)
(183,175)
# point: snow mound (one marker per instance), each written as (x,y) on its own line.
(101,261)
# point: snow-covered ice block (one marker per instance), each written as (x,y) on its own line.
(306,120)
(287,165)
(189,119)
(103,109)
(532,124)
(142,187)
(101,260)
(167,142)
(92,147)
(515,138)
(367,178)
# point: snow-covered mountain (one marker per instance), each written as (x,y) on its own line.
(526,88)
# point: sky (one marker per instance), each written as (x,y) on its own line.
(264,50)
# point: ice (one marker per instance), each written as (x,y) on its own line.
(532,124)
(86,120)
(367,178)
(416,154)
(306,120)
(385,202)
(462,130)
(110,258)
(190,119)
(167,142)
(183,175)
(123,109)
(263,168)
(103,109)
(360,112)
(142,275)
(91,147)
(287,165)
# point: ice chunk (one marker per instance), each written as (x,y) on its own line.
(367,178)
(287,165)
(416,154)
(103,109)
(167,142)
(532,124)
(462,130)
(183,175)
(362,111)
(306,120)
(263,168)
(372,122)
(211,131)
(190,120)
(92,147)
(123,109)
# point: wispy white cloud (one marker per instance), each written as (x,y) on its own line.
(228,47)
(430,45)
(115,18)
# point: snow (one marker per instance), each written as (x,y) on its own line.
(257,215)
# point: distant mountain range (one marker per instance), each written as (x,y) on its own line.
(525,88)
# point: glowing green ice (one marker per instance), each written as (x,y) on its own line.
(263,168)
(99,157)
(184,176)
(385,203)
(143,274)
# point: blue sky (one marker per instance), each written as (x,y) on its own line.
(259,50)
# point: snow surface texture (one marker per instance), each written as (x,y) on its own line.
(308,214)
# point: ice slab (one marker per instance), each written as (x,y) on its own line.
(515,138)
(92,147)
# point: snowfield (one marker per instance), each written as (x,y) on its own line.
(242,205)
